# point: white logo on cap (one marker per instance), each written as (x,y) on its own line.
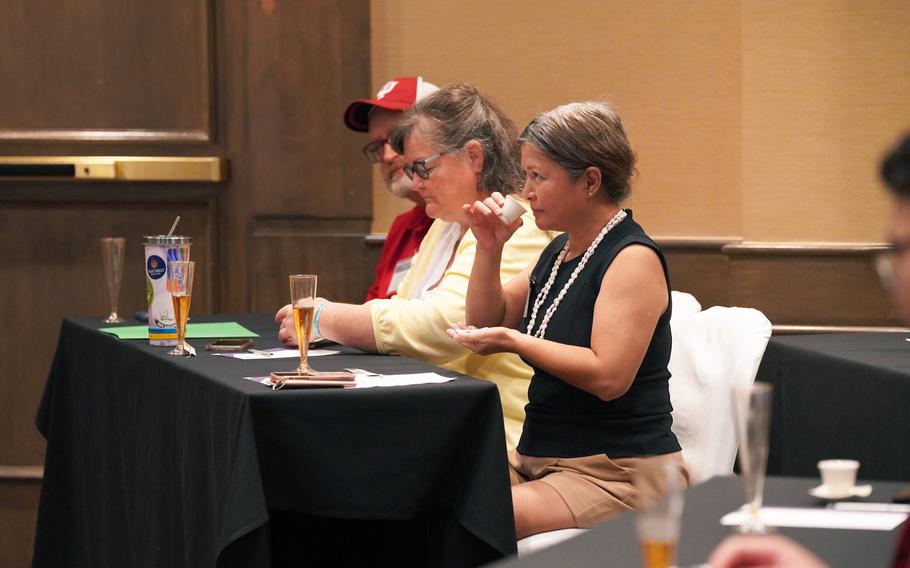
(386,89)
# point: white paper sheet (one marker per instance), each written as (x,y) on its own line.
(278,353)
(817,518)
(365,381)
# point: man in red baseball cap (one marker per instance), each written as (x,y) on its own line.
(377,117)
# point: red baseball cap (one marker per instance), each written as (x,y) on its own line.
(398,94)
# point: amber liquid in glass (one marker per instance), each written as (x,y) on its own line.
(303,322)
(658,554)
(181,315)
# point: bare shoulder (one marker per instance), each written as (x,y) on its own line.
(636,272)
(637,259)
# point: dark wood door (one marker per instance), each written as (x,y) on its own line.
(262,84)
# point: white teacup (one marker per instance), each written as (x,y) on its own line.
(511,210)
(838,476)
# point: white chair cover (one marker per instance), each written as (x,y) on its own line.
(536,542)
(713,351)
(684,305)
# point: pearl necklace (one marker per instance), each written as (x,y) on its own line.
(542,295)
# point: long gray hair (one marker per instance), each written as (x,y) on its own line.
(453,116)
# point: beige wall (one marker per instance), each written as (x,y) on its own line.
(754,119)
(826,88)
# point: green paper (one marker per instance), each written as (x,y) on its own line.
(217,330)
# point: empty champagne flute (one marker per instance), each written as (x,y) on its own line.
(112,252)
(752,417)
(180,275)
(303,301)
(659,496)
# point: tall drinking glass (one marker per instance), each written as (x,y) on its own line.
(659,495)
(112,252)
(303,300)
(180,275)
(752,417)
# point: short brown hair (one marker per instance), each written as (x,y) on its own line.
(456,114)
(580,135)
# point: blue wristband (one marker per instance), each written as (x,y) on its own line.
(316,318)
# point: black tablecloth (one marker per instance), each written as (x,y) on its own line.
(614,543)
(155,460)
(840,396)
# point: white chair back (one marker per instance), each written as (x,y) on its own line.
(684,305)
(713,351)
(536,542)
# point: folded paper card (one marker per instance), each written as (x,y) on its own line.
(821,518)
(218,330)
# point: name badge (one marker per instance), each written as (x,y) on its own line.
(401,268)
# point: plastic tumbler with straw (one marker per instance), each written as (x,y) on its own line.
(159,250)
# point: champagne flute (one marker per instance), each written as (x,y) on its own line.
(303,301)
(180,275)
(112,252)
(659,496)
(752,417)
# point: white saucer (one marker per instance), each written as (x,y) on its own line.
(821,492)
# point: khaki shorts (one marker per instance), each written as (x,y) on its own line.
(594,487)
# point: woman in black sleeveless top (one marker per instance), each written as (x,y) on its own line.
(592,319)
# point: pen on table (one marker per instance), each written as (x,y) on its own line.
(261,352)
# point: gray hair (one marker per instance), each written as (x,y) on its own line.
(580,135)
(453,116)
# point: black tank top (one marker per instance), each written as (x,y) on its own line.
(564,421)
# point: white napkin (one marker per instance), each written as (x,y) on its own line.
(277,353)
(820,518)
(371,381)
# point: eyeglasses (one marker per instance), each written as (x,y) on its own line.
(374,150)
(419,167)
(886,263)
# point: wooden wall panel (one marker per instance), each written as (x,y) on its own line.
(698,266)
(307,61)
(343,262)
(263,84)
(312,203)
(97,70)
(812,289)
(18,507)
(822,287)
(51,268)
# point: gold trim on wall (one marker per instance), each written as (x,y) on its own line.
(707,243)
(21,472)
(791,248)
(87,135)
(115,168)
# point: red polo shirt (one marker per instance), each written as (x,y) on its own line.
(401,243)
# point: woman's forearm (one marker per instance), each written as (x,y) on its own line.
(348,324)
(581,367)
(485,306)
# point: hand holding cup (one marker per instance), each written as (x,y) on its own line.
(494,220)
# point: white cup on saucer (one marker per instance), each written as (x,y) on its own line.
(838,477)
(511,210)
